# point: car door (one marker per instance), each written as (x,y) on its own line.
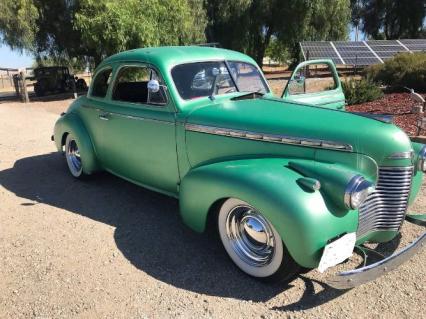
(139,141)
(315,82)
(92,107)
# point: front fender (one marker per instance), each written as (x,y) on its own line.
(71,123)
(305,219)
(418,174)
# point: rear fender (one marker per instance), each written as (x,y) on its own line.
(70,123)
(305,219)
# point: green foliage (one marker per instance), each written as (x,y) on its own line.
(249,25)
(278,52)
(110,26)
(389,19)
(404,70)
(18,23)
(360,90)
(93,29)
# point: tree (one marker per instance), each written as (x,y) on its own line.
(110,26)
(18,23)
(390,19)
(249,25)
(92,29)
(277,51)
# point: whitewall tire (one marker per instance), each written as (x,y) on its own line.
(252,242)
(72,155)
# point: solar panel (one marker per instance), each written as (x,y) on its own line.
(383,42)
(386,49)
(414,45)
(360,53)
(356,53)
(360,61)
(319,50)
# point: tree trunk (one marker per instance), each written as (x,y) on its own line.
(98,59)
(261,48)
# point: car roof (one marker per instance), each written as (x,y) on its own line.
(51,67)
(168,56)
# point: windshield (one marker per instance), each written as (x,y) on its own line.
(200,79)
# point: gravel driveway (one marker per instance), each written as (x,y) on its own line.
(104,248)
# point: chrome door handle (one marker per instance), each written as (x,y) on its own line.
(104,117)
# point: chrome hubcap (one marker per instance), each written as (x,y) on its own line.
(250,235)
(73,156)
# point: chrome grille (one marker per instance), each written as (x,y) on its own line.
(385,208)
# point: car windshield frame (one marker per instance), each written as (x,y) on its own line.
(226,63)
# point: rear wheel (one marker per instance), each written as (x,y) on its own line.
(72,155)
(38,89)
(253,243)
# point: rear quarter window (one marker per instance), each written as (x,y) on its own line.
(101,83)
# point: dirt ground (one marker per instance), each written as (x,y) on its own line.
(104,248)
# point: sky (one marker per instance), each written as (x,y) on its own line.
(15,59)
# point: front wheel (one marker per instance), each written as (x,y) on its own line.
(253,243)
(72,155)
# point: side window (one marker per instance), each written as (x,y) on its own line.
(131,85)
(313,78)
(101,83)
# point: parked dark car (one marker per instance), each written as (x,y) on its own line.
(54,79)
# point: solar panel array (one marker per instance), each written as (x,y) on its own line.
(360,53)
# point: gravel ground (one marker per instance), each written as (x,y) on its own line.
(104,248)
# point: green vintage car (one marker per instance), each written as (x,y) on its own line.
(288,185)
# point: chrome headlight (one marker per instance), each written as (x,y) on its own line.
(421,164)
(357,191)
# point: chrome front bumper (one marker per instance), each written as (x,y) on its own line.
(356,277)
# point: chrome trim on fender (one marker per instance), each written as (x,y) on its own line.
(282,139)
(401,155)
(356,277)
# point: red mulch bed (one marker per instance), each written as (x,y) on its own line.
(397,104)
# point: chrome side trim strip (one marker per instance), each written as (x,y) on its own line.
(140,118)
(132,117)
(282,139)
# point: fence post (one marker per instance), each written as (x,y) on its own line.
(24,91)
(15,78)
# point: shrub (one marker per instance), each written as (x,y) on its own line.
(360,91)
(403,70)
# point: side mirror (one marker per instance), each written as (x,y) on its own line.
(153,86)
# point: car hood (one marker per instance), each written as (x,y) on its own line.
(368,136)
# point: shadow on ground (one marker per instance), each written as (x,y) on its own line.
(7,97)
(149,231)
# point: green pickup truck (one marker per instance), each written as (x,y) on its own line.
(289,182)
